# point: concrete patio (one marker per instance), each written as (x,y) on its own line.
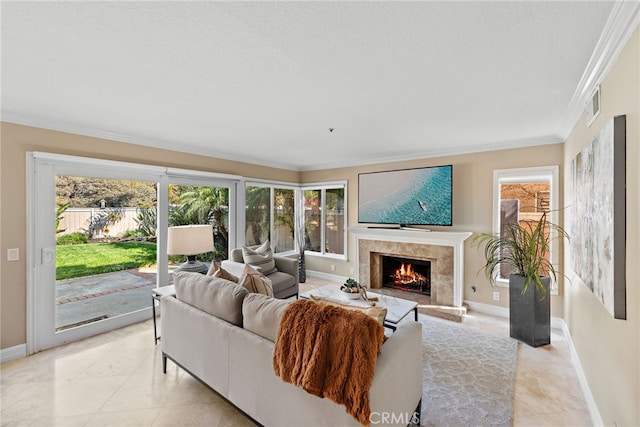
(91,298)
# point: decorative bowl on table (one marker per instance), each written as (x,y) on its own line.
(351,289)
(352,295)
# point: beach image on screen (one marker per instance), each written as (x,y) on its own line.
(411,196)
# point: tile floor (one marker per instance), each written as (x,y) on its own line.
(115,379)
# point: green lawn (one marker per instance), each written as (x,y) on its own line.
(96,258)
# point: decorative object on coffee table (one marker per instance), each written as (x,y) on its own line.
(352,289)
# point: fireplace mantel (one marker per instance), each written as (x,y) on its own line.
(453,297)
(414,235)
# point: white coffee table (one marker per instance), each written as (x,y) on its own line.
(397,308)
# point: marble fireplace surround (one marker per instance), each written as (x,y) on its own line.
(445,251)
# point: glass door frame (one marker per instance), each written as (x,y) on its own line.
(41,171)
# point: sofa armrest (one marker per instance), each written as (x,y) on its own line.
(236,268)
(397,384)
(287,265)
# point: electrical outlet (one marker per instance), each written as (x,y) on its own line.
(333,267)
(351,270)
(496,296)
(13,254)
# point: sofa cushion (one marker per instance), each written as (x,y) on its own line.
(214,295)
(262,256)
(281,281)
(262,315)
(254,281)
(378,313)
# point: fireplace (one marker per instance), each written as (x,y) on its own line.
(405,274)
(444,250)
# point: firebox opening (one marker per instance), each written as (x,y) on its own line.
(406,274)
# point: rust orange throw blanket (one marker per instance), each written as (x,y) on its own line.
(330,352)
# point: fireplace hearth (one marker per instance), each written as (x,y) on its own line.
(405,274)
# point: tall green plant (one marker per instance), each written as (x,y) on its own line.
(525,248)
(147,221)
(59,211)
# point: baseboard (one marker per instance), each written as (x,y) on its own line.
(492,310)
(326,276)
(489,309)
(596,418)
(12,353)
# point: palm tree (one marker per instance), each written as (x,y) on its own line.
(257,211)
(209,205)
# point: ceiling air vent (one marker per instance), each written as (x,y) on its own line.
(593,106)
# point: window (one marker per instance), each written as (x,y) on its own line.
(324,219)
(270,215)
(522,195)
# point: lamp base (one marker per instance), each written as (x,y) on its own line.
(193,266)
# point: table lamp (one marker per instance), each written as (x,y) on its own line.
(190,240)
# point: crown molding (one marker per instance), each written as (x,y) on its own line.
(11,117)
(620,26)
(470,149)
(25,120)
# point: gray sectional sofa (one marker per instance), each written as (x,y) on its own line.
(224,336)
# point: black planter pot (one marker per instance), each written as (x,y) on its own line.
(302,269)
(529,316)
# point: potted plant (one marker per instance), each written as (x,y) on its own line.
(351,289)
(524,247)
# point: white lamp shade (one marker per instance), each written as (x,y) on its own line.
(190,239)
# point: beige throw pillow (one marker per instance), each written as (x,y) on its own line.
(254,281)
(378,313)
(224,274)
(262,256)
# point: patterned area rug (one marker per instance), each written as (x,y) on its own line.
(468,376)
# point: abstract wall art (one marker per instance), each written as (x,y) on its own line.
(596,216)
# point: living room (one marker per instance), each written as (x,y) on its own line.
(605,350)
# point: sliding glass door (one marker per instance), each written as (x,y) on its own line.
(98,240)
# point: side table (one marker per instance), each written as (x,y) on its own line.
(156,295)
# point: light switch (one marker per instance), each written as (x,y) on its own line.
(13,254)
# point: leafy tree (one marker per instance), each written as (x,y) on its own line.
(82,192)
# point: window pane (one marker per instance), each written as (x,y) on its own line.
(193,204)
(105,254)
(313,220)
(522,203)
(284,215)
(335,221)
(258,215)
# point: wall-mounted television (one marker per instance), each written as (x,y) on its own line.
(420,196)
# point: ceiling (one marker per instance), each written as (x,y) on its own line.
(264,82)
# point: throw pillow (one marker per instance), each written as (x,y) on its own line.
(254,281)
(378,313)
(224,274)
(262,256)
(213,267)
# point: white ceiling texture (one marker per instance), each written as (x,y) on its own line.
(263,82)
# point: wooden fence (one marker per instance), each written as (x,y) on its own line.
(78,220)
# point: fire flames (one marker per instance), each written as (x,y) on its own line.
(406,275)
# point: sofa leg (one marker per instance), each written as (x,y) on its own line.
(164,363)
